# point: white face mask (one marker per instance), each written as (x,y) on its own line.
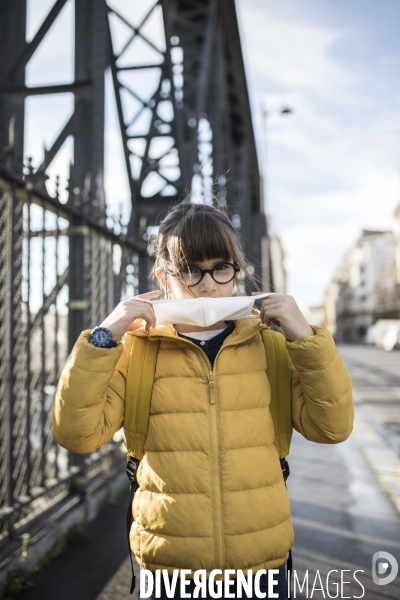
(204,312)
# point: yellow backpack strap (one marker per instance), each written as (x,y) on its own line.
(279,376)
(138,391)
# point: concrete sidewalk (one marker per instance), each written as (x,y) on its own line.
(85,568)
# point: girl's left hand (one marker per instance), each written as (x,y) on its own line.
(284,312)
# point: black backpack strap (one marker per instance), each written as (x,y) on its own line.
(286,473)
(289,573)
(131,469)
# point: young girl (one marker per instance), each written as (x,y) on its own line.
(211,492)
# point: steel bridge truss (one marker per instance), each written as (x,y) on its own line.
(185,123)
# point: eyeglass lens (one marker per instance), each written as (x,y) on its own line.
(221,273)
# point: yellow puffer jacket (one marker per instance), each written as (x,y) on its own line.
(211,489)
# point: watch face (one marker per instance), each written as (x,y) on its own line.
(101,336)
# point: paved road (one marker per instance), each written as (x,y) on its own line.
(341,517)
(376,380)
(340,513)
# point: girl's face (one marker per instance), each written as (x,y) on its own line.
(207,287)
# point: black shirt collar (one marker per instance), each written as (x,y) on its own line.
(215,341)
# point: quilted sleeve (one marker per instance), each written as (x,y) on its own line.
(89,400)
(322,402)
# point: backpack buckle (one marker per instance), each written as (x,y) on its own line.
(285,468)
(131,469)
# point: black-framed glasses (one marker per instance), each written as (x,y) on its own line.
(222,272)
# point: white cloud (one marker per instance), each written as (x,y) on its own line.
(289,54)
(333,164)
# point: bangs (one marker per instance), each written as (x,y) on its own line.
(199,237)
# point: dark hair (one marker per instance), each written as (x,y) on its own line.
(192,233)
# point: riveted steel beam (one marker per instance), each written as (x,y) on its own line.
(201,76)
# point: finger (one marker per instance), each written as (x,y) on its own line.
(272,311)
(150,319)
(150,323)
(146,295)
(273,298)
(270,314)
(269,319)
(148,316)
(272,306)
(274,303)
(147,324)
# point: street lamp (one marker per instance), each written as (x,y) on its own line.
(283,110)
(265,113)
(268,268)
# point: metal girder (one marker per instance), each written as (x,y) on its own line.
(195,126)
(12,113)
(29,48)
(50,298)
(201,85)
(87,171)
(201,77)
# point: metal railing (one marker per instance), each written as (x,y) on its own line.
(37,235)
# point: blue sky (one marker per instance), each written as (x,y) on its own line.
(332,167)
(334,164)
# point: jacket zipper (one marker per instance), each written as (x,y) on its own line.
(216,486)
(215,469)
(219,555)
(211,384)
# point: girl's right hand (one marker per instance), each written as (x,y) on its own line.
(121,319)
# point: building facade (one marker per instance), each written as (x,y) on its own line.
(364,287)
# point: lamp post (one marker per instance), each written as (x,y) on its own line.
(268,271)
(265,113)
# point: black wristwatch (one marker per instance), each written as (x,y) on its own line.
(102,338)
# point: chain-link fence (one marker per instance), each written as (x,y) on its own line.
(39,237)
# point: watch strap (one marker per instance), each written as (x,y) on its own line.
(96,338)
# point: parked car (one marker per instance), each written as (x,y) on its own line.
(387,334)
